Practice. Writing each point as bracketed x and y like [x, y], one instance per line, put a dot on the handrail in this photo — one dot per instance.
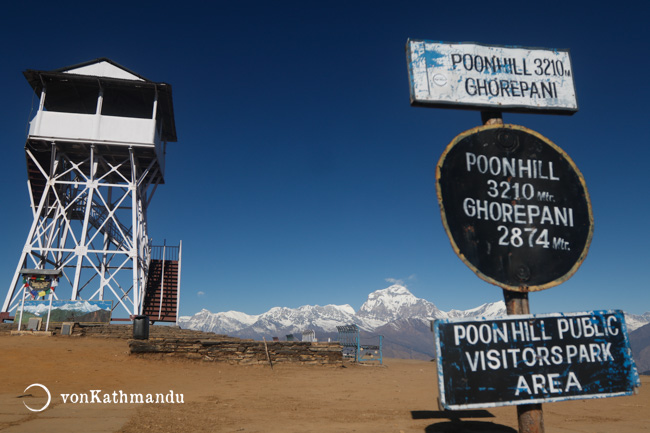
[165, 252]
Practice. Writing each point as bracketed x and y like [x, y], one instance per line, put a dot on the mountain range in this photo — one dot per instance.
[394, 312]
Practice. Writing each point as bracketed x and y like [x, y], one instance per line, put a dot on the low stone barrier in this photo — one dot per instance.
[235, 351]
[172, 341]
[123, 331]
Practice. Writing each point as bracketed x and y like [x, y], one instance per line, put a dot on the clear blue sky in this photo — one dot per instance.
[303, 176]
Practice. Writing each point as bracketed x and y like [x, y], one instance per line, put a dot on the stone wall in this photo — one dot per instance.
[172, 341]
[236, 351]
[123, 331]
[6, 328]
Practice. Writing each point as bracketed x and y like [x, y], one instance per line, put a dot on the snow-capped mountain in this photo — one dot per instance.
[276, 321]
[38, 309]
[492, 309]
[635, 321]
[382, 307]
[221, 323]
[81, 306]
[42, 307]
[395, 303]
[393, 311]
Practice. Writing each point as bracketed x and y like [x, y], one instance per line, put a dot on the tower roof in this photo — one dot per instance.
[107, 73]
[102, 67]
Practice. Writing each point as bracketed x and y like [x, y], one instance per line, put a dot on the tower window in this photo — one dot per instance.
[71, 97]
[128, 102]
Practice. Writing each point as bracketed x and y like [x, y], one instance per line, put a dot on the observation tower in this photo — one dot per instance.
[95, 157]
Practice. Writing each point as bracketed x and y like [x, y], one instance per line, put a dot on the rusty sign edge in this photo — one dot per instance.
[522, 288]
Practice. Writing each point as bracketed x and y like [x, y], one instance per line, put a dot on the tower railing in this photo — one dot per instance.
[93, 127]
[165, 252]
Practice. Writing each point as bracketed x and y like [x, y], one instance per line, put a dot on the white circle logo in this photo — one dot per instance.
[440, 80]
[49, 397]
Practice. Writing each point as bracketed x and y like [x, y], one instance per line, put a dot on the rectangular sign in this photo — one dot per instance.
[475, 76]
[525, 359]
[68, 311]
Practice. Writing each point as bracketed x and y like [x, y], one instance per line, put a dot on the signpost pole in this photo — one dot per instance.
[529, 416]
[491, 118]
[517, 212]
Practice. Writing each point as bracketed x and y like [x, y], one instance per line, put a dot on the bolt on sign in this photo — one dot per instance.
[527, 359]
[477, 76]
[515, 207]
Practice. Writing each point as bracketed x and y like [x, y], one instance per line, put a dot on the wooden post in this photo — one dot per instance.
[268, 356]
[529, 416]
[491, 117]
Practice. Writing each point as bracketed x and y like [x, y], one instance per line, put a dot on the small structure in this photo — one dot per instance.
[309, 336]
[38, 283]
[350, 339]
[372, 352]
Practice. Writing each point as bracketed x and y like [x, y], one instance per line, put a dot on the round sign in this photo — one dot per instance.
[515, 207]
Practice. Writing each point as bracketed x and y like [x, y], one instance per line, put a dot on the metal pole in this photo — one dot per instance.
[357, 334]
[22, 308]
[49, 312]
[178, 280]
[162, 280]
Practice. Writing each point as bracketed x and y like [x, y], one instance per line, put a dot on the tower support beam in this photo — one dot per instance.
[91, 224]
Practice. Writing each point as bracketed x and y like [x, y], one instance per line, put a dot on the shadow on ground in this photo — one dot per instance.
[457, 425]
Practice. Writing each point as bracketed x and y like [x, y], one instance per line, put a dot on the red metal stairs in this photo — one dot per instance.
[162, 284]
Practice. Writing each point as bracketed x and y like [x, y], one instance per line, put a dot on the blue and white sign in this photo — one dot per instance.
[79, 311]
[526, 359]
[468, 75]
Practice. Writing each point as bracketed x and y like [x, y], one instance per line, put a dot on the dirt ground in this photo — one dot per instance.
[397, 397]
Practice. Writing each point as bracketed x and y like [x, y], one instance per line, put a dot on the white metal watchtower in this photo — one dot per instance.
[95, 155]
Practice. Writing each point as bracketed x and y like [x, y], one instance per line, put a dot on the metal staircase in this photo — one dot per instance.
[161, 299]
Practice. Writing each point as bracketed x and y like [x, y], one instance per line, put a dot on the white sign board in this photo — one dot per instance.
[468, 75]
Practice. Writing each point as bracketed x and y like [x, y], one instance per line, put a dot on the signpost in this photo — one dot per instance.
[517, 212]
[533, 359]
[467, 75]
[515, 207]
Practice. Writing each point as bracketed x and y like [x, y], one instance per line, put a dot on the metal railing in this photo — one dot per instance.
[165, 252]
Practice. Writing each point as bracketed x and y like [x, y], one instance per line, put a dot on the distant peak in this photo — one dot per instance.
[395, 302]
[394, 290]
